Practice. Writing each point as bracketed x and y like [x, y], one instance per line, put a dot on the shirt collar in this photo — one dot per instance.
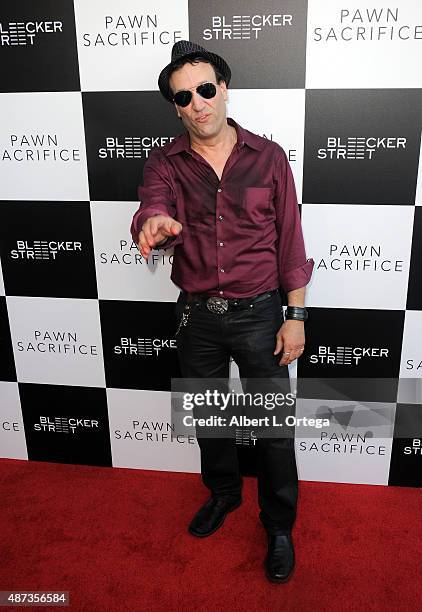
[244, 137]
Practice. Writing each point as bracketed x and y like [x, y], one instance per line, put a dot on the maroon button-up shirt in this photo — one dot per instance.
[242, 235]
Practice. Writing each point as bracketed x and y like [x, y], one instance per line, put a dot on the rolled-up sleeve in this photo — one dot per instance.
[156, 197]
[295, 270]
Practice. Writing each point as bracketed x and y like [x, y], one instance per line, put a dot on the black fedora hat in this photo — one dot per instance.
[186, 48]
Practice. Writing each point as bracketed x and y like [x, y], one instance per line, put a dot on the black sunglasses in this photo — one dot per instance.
[206, 90]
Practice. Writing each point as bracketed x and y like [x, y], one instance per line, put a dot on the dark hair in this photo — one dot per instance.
[191, 60]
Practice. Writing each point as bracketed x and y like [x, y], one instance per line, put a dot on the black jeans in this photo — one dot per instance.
[204, 348]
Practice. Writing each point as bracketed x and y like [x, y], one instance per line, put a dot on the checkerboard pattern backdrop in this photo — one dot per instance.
[87, 327]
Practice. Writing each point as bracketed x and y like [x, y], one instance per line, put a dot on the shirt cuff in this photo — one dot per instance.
[298, 277]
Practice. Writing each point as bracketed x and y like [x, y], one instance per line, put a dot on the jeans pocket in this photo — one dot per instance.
[272, 303]
[268, 311]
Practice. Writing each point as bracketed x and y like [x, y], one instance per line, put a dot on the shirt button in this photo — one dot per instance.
[221, 269]
[219, 190]
[221, 292]
[221, 243]
[221, 217]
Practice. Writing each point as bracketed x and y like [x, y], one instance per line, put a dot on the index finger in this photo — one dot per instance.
[143, 244]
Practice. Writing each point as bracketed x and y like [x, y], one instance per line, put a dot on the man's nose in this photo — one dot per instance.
[197, 101]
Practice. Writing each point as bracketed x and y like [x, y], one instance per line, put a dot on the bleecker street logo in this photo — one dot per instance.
[144, 347]
[131, 147]
[370, 24]
[346, 355]
[66, 425]
[415, 448]
[358, 147]
[43, 249]
[23, 33]
[245, 437]
[244, 27]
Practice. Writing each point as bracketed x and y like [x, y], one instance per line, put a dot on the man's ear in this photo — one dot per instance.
[175, 106]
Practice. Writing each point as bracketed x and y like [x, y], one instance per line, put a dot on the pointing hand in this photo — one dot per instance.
[156, 230]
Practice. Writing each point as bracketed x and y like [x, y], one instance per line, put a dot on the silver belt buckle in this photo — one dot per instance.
[217, 305]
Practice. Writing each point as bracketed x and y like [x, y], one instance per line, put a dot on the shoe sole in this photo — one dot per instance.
[205, 535]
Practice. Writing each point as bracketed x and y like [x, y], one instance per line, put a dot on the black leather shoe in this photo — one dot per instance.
[211, 516]
[280, 559]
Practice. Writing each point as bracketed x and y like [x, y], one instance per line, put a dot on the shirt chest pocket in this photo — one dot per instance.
[258, 204]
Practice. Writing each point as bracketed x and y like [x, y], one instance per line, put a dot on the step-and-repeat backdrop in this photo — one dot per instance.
[86, 325]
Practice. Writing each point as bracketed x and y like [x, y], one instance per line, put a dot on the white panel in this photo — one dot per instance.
[277, 114]
[122, 273]
[12, 432]
[123, 46]
[141, 433]
[363, 44]
[410, 383]
[356, 448]
[359, 260]
[57, 340]
[43, 147]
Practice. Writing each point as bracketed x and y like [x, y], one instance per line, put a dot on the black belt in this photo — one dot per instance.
[220, 305]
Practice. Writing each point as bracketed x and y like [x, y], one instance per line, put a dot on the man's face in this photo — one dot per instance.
[201, 117]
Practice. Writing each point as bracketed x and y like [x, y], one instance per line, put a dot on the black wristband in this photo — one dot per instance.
[296, 313]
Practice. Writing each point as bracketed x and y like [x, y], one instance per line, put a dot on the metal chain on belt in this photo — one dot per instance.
[184, 319]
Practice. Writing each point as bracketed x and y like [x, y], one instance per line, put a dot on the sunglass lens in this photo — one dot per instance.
[207, 90]
[182, 98]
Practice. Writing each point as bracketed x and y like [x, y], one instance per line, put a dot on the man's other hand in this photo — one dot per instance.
[156, 230]
[291, 338]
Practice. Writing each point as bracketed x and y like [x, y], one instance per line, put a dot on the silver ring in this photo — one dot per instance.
[288, 353]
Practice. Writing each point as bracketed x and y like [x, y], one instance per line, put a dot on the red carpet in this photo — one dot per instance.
[117, 540]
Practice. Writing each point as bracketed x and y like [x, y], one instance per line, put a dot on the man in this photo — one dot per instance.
[225, 199]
